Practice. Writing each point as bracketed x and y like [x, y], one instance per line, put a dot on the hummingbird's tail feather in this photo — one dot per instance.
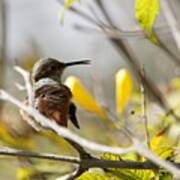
[72, 115]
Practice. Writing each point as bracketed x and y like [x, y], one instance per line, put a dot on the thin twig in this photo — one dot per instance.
[110, 33]
[27, 80]
[44, 156]
[172, 21]
[144, 108]
[163, 46]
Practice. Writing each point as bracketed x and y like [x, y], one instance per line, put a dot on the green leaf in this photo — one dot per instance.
[163, 146]
[165, 176]
[146, 12]
[110, 156]
[95, 176]
[127, 174]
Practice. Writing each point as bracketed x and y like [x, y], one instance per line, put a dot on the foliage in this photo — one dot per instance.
[160, 144]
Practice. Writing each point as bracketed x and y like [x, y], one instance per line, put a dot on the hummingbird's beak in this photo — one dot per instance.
[77, 63]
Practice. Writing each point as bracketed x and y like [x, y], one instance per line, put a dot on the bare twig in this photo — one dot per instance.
[172, 21]
[163, 46]
[27, 80]
[46, 156]
[111, 33]
[144, 109]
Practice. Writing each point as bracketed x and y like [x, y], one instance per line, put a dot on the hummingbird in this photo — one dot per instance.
[52, 98]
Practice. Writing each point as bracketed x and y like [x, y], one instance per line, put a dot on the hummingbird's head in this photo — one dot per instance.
[52, 68]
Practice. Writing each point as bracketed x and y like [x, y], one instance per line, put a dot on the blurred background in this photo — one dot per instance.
[31, 29]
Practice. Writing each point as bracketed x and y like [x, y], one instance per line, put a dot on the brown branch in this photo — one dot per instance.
[86, 163]
[44, 156]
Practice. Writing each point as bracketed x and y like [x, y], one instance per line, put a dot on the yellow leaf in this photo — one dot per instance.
[146, 12]
[123, 89]
[69, 3]
[83, 98]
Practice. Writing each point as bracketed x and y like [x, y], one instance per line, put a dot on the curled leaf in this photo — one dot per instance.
[83, 98]
[123, 89]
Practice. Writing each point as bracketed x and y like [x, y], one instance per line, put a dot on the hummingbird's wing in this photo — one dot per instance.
[72, 115]
[53, 102]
